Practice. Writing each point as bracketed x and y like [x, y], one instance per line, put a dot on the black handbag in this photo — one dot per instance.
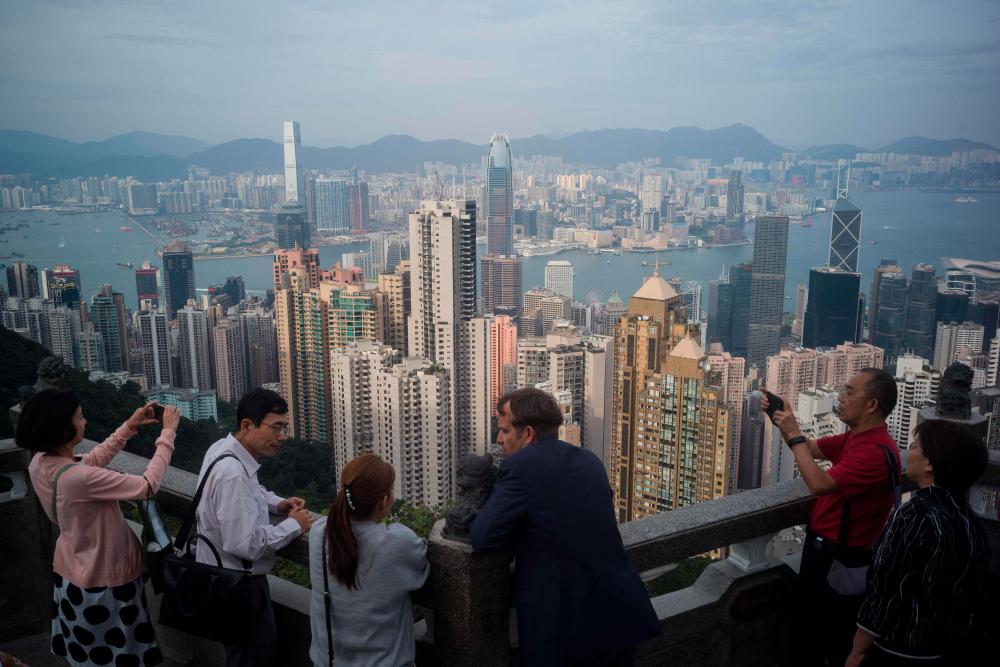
[209, 601]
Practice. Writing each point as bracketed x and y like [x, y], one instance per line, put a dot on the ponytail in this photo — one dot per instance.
[363, 483]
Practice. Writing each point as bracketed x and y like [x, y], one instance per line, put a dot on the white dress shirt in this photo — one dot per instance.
[234, 512]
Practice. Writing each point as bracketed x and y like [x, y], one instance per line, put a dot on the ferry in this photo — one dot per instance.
[124, 265]
[807, 222]
[124, 228]
[872, 242]
[966, 200]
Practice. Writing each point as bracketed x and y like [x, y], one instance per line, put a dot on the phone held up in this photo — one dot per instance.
[158, 412]
[774, 403]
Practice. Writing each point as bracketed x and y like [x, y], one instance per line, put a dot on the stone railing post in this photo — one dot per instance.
[750, 555]
[26, 555]
[471, 602]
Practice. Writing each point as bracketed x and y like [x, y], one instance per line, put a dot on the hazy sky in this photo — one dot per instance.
[800, 71]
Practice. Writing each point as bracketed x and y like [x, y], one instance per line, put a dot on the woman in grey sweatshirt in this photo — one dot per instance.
[370, 569]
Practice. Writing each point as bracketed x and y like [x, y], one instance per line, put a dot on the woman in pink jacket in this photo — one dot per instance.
[99, 611]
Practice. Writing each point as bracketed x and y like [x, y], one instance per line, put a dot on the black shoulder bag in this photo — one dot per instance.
[849, 566]
[209, 601]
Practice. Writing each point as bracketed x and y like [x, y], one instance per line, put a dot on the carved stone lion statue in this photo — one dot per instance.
[954, 401]
[475, 483]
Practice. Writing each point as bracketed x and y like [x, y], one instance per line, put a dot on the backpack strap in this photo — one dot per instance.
[55, 492]
[327, 602]
[189, 520]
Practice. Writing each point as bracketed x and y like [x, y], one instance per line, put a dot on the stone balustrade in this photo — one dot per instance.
[736, 613]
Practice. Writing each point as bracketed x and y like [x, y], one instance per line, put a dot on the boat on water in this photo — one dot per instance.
[124, 265]
[62, 244]
[807, 222]
[872, 242]
[124, 228]
[608, 261]
[966, 200]
[645, 263]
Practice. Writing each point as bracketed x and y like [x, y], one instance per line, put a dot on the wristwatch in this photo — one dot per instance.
[799, 439]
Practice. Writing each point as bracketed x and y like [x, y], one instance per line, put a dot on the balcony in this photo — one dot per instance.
[736, 613]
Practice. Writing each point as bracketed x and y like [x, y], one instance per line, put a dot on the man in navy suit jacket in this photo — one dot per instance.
[579, 599]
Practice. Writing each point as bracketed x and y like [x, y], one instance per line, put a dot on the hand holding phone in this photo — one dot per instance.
[158, 412]
[774, 403]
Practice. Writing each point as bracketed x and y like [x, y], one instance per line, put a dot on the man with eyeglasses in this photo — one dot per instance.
[853, 500]
[234, 512]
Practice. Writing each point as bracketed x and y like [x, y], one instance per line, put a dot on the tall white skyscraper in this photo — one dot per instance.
[155, 342]
[951, 337]
[295, 185]
[559, 277]
[916, 387]
[442, 308]
[193, 347]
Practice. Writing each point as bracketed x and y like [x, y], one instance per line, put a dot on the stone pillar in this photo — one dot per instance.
[471, 603]
[26, 555]
[751, 555]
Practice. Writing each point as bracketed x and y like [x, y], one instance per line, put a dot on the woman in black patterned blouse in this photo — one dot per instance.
[931, 559]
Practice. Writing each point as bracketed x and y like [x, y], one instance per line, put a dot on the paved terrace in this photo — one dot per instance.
[736, 613]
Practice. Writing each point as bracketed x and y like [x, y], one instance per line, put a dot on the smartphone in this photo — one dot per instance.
[774, 403]
[158, 412]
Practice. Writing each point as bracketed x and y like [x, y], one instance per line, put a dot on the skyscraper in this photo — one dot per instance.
[260, 343]
[393, 306]
[229, 360]
[886, 266]
[770, 249]
[107, 312]
[503, 357]
[728, 373]
[290, 227]
[154, 339]
[22, 280]
[920, 311]
[888, 323]
[145, 285]
[832, 314]
[559, 277]
[499, 201]
[501, 284]
[845, 233]
[951, 337]
[294, 176]
[178, 277]
[193, 348]
[443, 302]
[358, 206]
[333, 211]
[734, 196]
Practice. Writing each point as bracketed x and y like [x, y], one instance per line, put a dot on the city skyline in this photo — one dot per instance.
[168, 78]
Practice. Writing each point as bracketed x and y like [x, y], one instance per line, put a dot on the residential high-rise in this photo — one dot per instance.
[229, 359]
[559, 277]
[728, 373]
[354, 420]
[791, 371]
[22, 280]
[260, 344]
[90, 349]
[832, 314]
[178, 277]
[443, 303]
[544, 307]
[333, 211]
[920, 311]
[498, 209]
[155, 342]
[770, 249]
[361, 260]
[951, 337]
[503, 357]
[290, 227]
[501, 284]
[598, 355]
[107, 312]
[917, 387]
[358, 206]
[845, 233]
[611, 312]
[415, 433]
[393, 306]
[888, 325]
[734, 196]
[679, 455]
[193, 347]
[294, 175]
[350, 311]
[145, 284]
[64, 325]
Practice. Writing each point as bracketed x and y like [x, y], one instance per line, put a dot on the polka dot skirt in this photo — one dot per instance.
[103, 625]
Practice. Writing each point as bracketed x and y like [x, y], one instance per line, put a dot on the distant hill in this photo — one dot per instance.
[145, 144]
[832, 152]
[934, 147]
[151, 156]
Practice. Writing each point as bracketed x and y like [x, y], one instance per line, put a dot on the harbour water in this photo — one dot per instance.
[907, 226]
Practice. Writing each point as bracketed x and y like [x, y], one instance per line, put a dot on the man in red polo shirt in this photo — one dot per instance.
[854, 498]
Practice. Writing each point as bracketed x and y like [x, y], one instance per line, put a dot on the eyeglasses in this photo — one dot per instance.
[279, 429]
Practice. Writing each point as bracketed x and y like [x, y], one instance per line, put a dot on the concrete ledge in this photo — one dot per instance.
[675, 535]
